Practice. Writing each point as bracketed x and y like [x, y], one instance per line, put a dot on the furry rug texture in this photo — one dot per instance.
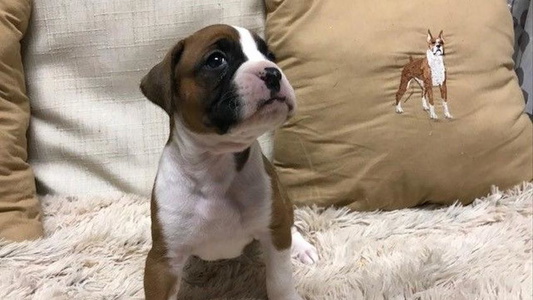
[95, 249]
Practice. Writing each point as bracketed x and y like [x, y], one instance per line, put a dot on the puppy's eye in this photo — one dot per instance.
[433, 42]
[216, 60]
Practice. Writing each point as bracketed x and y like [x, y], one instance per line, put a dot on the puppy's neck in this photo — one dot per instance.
[188, 166]
[201, 156]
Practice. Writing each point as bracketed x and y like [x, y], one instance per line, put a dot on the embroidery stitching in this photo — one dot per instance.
[427, 72]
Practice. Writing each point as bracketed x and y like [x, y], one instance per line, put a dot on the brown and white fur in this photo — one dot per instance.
[428, 72]
[215, 192]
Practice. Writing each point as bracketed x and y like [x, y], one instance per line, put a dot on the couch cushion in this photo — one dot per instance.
[19, 208]
[92, 131]
[348, 146]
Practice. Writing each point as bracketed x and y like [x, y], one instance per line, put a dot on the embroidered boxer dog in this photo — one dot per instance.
[214, 191]
[428, 72]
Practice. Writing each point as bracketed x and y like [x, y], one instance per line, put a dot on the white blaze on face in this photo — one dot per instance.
[249, 46]
[252, 89]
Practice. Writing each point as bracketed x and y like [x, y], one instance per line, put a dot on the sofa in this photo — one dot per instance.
[85, 156]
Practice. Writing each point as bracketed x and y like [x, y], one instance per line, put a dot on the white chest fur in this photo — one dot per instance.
[436, 64]
[213, 212]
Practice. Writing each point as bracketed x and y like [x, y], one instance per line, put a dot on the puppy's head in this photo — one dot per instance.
[221, 81]
[436, 45]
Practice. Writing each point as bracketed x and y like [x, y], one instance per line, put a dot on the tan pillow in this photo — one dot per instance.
[349, 146]
[19, 208]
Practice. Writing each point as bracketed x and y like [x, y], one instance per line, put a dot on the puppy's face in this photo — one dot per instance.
[436, 45]
[222, 81]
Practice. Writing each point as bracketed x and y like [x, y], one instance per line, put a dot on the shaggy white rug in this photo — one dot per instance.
[95, 249]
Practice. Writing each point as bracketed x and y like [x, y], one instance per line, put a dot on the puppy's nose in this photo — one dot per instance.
[272, 78]
[438, 45]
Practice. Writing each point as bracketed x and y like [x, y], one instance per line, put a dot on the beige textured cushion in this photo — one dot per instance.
[348, 146]
[19, 208]
[92, 131]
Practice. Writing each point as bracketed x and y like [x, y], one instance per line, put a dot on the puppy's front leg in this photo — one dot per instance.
[162, 276]
[279, 282]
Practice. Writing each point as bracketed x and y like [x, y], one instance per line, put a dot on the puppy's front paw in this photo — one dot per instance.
[307, 255]
[303, 250]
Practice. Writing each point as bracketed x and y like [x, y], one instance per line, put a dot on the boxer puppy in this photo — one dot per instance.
[215, 192]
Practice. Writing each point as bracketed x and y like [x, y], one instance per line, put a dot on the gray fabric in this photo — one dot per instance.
[523, 22]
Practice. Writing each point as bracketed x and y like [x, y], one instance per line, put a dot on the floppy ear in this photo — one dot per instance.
[440, 36]
[159, 84]
[430, 37]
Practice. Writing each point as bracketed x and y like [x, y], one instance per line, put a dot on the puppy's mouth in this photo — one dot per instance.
[272, 100]
[438, 51]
